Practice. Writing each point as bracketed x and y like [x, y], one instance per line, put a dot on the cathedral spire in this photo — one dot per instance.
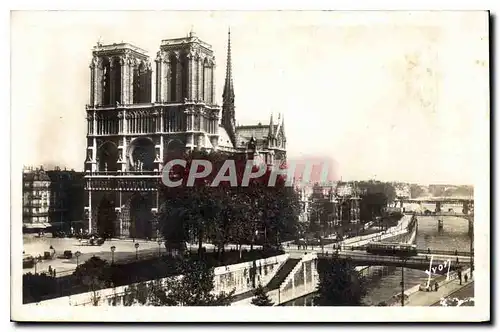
[228, 94]
[228, 114]
[271, 126]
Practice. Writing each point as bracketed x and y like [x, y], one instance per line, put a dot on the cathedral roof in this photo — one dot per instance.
[258, 132]
[224, 139]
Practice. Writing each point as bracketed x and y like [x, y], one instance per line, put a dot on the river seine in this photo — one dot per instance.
[453, 236]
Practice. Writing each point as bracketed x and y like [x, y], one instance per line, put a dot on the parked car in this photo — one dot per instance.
[60, 234]
[28, 261]
[96, 241]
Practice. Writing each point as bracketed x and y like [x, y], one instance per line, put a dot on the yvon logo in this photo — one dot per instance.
[441, 267]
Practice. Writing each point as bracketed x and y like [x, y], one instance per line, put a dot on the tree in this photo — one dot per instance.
[95, 273]
[375, 197]
[339, 283]
[416, 191]
[227, 212]
[260, 297]
[193, 288]
[37, 286]
[192, 210]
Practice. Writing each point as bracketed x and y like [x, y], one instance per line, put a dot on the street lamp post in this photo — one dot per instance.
[471, 250]
[159, 247]
[136, 251]
[113, 248]
[77, 254]
[37, 260]
[403, 283]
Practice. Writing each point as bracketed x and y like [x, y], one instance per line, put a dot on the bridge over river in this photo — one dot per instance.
[419, 262]
[467, 203]
[416, 262]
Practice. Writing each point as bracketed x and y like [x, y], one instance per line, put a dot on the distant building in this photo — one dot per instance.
[36, 199]
[329, 206]
[67, 199]
[52, 198]
[348, 203]
[304, 193]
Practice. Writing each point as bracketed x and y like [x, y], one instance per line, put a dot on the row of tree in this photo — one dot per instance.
[192, 287]
[229, 211]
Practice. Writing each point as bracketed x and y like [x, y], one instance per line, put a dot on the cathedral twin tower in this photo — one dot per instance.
[129, 136]
[122, 74]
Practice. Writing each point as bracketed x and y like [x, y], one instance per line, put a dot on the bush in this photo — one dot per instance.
[36, 287]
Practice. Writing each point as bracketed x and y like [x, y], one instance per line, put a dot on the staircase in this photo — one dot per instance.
[282, 273]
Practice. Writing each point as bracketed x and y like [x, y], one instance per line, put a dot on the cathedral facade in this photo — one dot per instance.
[129, 136]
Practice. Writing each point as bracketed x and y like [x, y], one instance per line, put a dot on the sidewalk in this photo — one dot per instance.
[425, 299]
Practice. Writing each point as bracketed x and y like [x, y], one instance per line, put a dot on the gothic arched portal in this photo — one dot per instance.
[175, 148]
[142, 154]
[141, 217]
[106, 218]
[108, 157]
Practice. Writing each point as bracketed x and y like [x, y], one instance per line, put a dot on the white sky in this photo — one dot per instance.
[391, 96]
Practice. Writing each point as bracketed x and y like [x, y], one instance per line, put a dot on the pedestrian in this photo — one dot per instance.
[436, 286]
[460, 276]
[50, 270]
[466, 277]
[54, 273]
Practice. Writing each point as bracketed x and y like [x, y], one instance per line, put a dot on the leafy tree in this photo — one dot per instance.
[129, 295]
[224, 213]
[191, 210]
[416, 191]
[193, 288]
[375, 197]
[95, 273]
[339, 283]
[260, 297]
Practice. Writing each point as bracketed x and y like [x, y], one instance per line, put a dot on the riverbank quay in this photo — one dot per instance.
[464, 297]
[417, 296]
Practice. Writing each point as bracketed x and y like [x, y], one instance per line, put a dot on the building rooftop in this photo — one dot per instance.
[118, 46]
[190, 39]
[37, 174]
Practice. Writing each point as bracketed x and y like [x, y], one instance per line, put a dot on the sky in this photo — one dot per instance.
[392, 96]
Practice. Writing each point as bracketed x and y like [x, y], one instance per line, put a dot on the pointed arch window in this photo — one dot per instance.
[106, 81]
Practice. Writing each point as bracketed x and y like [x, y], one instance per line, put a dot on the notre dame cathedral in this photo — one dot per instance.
[129, 135]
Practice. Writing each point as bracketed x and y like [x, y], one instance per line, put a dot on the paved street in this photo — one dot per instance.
[125, 250]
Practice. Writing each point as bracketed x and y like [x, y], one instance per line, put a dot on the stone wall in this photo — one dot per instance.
[302, 280]
[226, 278]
